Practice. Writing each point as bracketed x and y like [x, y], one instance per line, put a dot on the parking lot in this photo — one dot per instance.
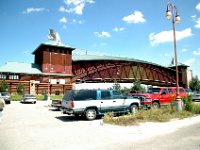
[37, 127]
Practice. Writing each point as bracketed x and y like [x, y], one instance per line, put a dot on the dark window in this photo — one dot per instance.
[181, 91]
[57, 92]
[164, 91]
[105, 95]
[79, 95]
[170, 91]
[85, 95]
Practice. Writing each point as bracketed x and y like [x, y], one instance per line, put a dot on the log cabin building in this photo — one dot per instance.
[50, 73]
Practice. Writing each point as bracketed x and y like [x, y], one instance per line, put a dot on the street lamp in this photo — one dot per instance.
[171, 8]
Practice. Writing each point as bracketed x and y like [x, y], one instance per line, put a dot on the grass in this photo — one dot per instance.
[18, 97]
[164, 114]
[158, 115]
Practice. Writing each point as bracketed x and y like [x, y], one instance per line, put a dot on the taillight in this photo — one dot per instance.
[72, 104]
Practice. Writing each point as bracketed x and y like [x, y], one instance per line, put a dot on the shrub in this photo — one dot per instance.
[188, 103]
[16, 97]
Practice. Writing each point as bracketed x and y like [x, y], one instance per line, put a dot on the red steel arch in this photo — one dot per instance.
[124, 70]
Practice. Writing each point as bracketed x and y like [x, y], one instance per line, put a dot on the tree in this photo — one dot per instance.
[195, 84]
[20, 89]
[137, 87]
[116, 86]
[3, 86]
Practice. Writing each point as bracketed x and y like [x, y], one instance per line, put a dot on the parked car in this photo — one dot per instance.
[2, 104]
[196, 96]
[90, 103]
[6, 97]
[56, 103]
[29, 98]
[157, 96]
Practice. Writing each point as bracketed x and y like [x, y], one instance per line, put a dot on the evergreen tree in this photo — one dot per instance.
[117, 86]
[3, 86]
[20, 89]
[195, 84]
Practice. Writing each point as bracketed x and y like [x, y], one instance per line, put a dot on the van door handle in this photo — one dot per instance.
[114, 101]
[101, 102]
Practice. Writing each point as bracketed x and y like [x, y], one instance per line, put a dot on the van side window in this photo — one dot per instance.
[117, 95]
[85, 95]
[164, 91]
[105, 95]
[181, 91]
[170, 91]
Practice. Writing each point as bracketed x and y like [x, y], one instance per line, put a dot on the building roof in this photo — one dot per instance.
[17, 67]
[77, 58]
[53, 44]
[25, 68]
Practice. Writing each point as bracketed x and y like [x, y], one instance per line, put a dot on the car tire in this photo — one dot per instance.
[90, 114]
[134, 108]
[155, 105]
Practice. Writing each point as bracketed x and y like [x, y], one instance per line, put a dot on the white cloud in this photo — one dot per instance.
[167, 36]
[77, 21]
[189, 62]
[136, 17]
[197, 52]
[102, 34]
[31, 10]
[63, 20]
[198, 7]
[75, 6]
[197, 21]
[116, 29]
[184, 50]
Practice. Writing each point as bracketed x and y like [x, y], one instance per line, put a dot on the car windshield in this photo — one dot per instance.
[5, 94]
[29, 95]
[154, 90]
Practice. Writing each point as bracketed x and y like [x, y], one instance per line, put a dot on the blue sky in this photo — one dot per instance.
[127, 28]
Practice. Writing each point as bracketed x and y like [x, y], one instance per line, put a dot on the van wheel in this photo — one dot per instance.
[133, 108]
[90, 114]
[155, 105]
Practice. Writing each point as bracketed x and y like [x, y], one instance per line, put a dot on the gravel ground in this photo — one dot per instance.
[37, 127]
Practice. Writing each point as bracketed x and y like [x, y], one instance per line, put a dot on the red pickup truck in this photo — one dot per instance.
[158, 96]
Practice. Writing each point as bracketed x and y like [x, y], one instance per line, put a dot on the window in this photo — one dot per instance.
[164, 91]
[170, 91]
[117, 95]
[13, 77]
[105, 95]
[85, 95]
[181, 91]
[2, 76]
[57, 92]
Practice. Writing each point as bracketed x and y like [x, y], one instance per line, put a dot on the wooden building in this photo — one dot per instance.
[51, 71]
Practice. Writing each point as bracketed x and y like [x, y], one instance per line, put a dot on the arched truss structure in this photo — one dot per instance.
[121, 70]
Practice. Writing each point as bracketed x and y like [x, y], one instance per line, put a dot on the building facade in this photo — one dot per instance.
[50, 73]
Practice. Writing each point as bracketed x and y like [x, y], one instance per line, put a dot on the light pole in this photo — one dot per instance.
[171, 8]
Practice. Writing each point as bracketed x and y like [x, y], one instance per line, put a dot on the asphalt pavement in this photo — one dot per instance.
[38, 127]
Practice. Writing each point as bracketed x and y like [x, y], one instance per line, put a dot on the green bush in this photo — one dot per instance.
[188, 103]
[16, 97]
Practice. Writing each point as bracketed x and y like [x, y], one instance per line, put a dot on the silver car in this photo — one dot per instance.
[196, 96]
[29, 98]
